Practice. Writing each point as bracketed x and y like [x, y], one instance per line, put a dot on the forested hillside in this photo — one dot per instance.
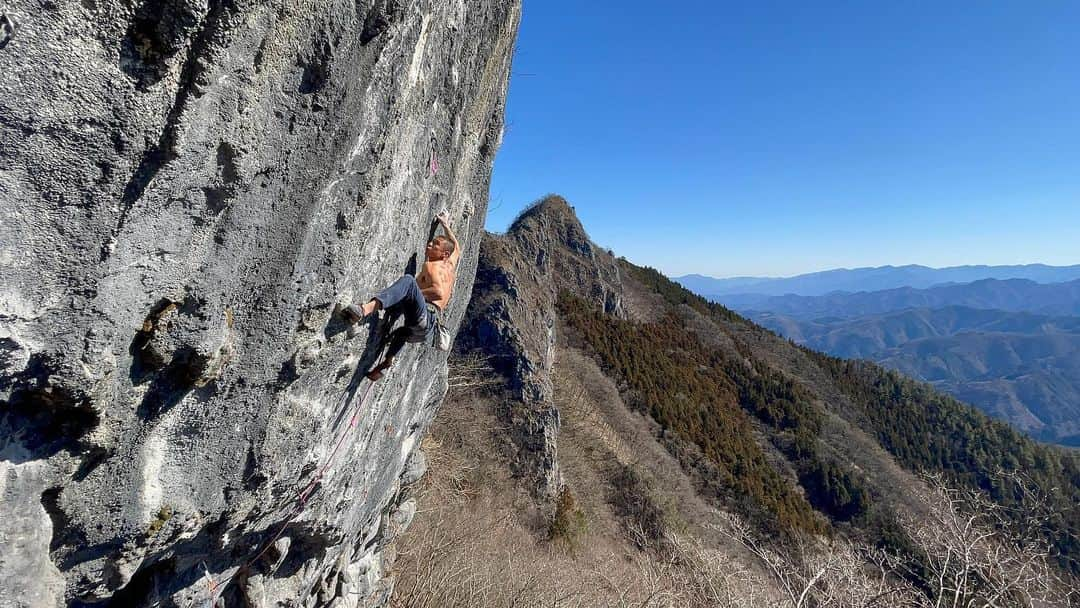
[926, 430]
[1019, 367]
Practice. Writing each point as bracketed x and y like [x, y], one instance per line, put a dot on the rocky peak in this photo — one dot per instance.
[512, 318]
[553, 222]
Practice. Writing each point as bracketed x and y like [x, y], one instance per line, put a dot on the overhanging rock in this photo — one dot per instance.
[188, 189]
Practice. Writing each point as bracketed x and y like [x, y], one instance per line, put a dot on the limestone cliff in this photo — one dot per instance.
[188, 189]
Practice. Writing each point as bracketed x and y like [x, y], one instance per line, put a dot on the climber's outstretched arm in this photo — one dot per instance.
[454, 257]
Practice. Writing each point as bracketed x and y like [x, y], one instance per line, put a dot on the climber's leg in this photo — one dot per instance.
[397, 341]
[404, 291]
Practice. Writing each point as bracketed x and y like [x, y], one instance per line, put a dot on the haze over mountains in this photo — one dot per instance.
[1010, 346]
[873, 279]
[1013, 295]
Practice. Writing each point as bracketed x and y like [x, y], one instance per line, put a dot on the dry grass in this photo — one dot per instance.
[481, 541]
[483, 556]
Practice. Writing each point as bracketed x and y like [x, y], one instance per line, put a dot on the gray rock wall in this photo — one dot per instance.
[188, 188]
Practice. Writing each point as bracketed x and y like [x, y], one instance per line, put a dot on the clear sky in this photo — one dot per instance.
[775, 138]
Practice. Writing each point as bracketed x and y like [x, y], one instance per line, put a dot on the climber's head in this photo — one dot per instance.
[440, 248]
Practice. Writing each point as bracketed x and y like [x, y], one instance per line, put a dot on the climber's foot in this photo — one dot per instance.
[377, 371]
[353, 313]
[356, 314]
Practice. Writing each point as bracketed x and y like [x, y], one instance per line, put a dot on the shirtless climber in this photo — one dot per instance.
[420, 299]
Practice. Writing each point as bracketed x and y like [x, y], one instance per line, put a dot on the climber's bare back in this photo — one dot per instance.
[436, 281]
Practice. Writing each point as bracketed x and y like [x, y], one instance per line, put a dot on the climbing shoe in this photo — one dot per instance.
[353, 313]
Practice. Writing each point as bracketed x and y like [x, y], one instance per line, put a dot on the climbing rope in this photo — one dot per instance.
[302, 496]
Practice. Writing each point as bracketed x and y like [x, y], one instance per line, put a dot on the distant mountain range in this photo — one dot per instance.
[864, 337]
[1003, 338]
[1022, 367]
[873, 279]
[1016, 295]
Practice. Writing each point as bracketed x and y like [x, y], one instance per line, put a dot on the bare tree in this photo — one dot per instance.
[970, 551]
[471, 373]
[708, 578]
[837, 574]
[980, 554]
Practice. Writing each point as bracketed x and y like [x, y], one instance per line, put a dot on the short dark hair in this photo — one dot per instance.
[444, 243]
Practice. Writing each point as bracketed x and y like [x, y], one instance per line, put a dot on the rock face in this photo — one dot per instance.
[512, 319]
[188, 189]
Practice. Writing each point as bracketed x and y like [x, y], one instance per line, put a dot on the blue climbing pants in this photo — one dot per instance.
[404, 297]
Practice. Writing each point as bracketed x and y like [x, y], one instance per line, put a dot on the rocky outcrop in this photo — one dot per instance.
[512, 319]
[188, 189]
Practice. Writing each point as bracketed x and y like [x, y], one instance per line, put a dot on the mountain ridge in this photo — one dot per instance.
[1013, 295]
[872, 278]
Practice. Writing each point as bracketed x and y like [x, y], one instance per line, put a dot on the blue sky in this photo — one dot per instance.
[775, 138]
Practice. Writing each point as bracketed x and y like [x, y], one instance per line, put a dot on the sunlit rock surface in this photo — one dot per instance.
[188, 189]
